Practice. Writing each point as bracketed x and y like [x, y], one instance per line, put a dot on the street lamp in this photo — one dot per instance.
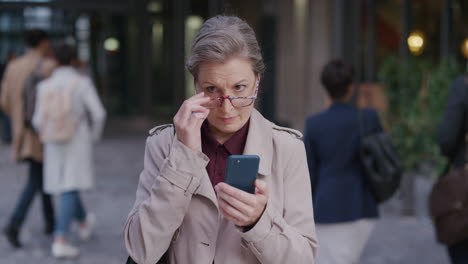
[464, 48]
[416, 42]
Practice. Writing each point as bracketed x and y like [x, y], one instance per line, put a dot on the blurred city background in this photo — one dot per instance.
[405, 52]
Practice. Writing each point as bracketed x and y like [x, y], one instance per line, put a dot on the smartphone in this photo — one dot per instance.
[241, 171]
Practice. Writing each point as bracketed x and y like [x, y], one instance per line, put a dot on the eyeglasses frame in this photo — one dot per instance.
[230, 98]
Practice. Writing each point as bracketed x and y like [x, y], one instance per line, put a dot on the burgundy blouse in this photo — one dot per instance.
[218, 153]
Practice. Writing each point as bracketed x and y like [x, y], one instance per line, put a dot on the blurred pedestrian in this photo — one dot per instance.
[25, 142]
[184, 207]
[345, 209]
[69, 117]
[5, 121]
[452, 139]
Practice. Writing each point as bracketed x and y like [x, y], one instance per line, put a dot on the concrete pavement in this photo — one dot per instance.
[118, 163]
[396, 240]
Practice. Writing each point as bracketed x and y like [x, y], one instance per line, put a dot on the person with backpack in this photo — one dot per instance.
[452, 138]
[69, 118]
[26, 146]
[345, 207]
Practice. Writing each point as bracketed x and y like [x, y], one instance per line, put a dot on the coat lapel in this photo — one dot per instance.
[260, 142]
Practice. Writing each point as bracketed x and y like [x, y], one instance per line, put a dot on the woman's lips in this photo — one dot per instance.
[227, 120]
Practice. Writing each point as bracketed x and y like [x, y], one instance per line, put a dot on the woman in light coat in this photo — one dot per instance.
[184, 211]
[68, 165]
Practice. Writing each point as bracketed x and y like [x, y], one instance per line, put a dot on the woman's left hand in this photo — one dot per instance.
[242, 208]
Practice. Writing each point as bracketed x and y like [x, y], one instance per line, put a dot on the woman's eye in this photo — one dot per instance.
[239, 87]
[210, 89]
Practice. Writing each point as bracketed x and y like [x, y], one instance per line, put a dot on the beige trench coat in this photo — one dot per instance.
[176, 207]
[25, 143]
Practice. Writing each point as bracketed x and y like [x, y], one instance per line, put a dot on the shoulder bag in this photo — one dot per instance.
[382, 164]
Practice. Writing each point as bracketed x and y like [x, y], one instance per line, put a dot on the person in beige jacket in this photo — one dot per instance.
[184, 211]
[26, 145]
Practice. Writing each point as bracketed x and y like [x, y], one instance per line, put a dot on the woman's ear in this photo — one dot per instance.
[257, 81]
[195, 86]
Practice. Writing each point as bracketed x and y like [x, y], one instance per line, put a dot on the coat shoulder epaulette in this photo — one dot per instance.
[290, 131]
[156, 130]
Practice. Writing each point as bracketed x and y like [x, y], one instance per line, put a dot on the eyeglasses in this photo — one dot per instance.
[236, 101]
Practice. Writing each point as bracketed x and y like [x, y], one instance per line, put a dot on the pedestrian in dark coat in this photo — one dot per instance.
[451, 139]
[345, 210]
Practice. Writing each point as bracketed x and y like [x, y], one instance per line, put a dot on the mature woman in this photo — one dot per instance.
[183, 207]
[345, 209]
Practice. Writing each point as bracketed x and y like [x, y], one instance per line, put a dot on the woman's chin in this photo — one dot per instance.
[227, 128]
[220, 127]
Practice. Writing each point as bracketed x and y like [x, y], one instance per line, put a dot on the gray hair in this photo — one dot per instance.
[221, 38]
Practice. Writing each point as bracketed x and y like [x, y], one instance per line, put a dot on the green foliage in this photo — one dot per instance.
[417, 93]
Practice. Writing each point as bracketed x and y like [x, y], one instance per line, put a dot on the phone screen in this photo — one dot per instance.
[241, 171]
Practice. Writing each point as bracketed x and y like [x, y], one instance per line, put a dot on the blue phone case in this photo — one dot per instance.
[241, 171]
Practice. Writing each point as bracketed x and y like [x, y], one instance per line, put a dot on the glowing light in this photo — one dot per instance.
[194, 22]
[111, 44]
[464, 48]
[416, 42]
[155, 7]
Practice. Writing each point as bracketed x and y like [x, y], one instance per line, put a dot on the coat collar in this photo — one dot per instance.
[341, 105]
[260, 141]
[61, 70]
[34, 53]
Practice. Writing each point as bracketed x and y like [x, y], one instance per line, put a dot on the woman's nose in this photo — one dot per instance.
[226, 105]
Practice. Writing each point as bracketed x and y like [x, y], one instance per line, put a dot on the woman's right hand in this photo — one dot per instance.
[189, 119]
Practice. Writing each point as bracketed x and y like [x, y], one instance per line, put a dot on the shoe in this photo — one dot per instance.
[85, 232]
[64, 250]
[12, 237]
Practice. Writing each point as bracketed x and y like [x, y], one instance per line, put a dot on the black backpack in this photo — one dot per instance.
[30, 93]
[382, 164]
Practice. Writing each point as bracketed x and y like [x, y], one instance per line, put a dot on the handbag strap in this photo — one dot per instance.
[361, 121]
[465, 136]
